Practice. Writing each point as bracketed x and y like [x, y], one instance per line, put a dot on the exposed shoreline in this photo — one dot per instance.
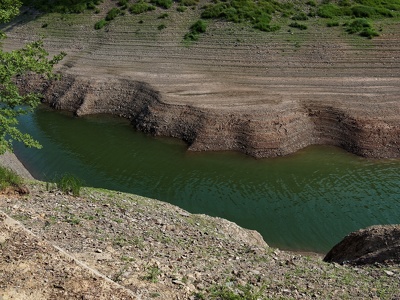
[261, 131]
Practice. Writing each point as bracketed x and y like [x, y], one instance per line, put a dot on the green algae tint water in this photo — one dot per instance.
[307, 201]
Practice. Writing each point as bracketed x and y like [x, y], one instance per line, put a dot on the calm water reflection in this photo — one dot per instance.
[306, 201]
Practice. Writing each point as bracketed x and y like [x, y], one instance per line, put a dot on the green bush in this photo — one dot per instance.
[112, 14]
[123, 2]
[311, 3]
[332, 24]
[190, 36]
[188, 2]
[300, 17]
[344, 3]
[199, 27]
[181, 8]
[361, 11]
[141, 7]
[163, 16]
[329, 11]
[91, 5]
[161, 26]
[266, 27]
[298, 25]
[100, 24]
[162, 3]
[69, 184]
[369, 33]
[358, 25]
[9, 178]
[258, 13]
[63, 6]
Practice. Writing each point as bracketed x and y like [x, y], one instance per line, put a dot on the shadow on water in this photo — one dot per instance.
[307, 201]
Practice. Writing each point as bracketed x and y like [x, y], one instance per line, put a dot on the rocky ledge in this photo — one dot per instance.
[262, 131]
[375, 244]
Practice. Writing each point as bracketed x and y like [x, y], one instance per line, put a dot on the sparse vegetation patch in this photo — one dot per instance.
[69, 184]
[63, 6]
[141, 7]
[198, 27]
[264, 15]
[9, 178]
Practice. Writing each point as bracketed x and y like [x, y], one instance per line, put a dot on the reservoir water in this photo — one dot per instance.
[306, 201]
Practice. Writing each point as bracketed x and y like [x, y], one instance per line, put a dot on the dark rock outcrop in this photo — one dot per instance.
[376, 244]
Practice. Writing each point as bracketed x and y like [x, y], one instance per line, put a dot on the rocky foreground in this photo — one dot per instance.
[150, 249]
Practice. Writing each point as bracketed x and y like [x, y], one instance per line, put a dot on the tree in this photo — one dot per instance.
[32, 58]
[9, 9]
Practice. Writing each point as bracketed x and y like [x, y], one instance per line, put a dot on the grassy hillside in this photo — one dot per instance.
[366, 18]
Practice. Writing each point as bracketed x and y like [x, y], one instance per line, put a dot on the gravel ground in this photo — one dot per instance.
[157, 250]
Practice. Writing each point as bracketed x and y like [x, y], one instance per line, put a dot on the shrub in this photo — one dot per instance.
[312, 3]
[258, 13]
[100, 24]
[9, 178]
[161, 26]
[267, 27]
[181, 8]
[163, 16]
[141, 7]
[298, 25]
[369, 33]
[332, 24]
[188, 2]
[344, 3]
[123, 2]
[162, 3]
[69, 184]
[199, 27]
[358, 25]
[329, 11]
[91, 5]
[113, 13]
[300, 17]
[361, 11]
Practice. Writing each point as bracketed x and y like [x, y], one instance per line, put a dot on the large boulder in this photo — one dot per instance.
[375, 244]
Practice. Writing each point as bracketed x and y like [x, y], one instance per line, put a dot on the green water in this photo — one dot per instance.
[306, 201]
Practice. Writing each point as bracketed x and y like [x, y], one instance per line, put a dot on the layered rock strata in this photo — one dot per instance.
[261, 131]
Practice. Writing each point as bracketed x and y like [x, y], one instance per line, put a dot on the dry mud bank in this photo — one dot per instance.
[265, 94]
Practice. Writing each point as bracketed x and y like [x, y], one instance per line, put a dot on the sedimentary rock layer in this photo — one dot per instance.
[278, 129]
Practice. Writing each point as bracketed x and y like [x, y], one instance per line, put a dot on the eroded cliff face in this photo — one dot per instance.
[264, 131]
